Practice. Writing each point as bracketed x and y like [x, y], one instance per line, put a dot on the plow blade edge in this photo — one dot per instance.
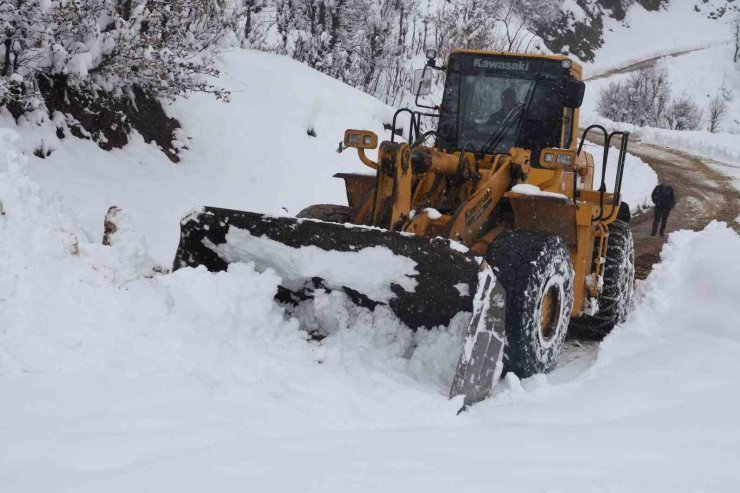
[425, 282]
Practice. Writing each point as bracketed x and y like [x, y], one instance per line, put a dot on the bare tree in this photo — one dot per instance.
[717, 112]
[718, 106]
[736, 36]
[516, 33]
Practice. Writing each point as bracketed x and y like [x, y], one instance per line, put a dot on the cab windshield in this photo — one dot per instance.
[491, 104]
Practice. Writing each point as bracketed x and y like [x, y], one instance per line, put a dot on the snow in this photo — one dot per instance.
[197, 381]
[525, 189]
[697, 52]
[638, 179]
[123, 376]
[433, 213]
[673, 28]
[462, 288]
[250, 154]
[721, 151]
[370, 270]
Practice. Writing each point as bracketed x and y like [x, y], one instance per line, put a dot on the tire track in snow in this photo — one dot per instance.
[646, 63]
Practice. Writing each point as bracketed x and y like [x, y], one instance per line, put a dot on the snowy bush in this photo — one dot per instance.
[644, 99]
[683, 114]
[641, 99]
[163, 48]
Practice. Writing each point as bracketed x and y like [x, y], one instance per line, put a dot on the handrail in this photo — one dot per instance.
[414, 123]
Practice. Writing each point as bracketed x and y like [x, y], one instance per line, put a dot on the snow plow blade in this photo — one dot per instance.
[425, 282]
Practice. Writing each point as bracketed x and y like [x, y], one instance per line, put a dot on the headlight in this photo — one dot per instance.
[361, 139]
[549, 157]
[431, 54]
[563, 159]
[567, 63]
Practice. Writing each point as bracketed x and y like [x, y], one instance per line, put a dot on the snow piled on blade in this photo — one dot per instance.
[370, 271]
[535, 190]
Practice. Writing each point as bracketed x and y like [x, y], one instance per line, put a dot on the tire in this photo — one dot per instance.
[328, 212]
[537, 274]
[619, 282]
[624, 213]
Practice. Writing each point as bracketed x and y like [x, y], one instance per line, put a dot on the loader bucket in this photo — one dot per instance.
[425, 282]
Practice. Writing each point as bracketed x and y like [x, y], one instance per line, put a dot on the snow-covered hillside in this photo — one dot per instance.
[253, 153]
[118, 377]
[696, 50]
[674, 28]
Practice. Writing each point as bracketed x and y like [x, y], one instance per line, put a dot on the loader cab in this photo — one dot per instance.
[493, 102]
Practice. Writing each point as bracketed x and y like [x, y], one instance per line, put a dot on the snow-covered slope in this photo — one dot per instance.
[692, 43]
[251, 154]
[674, 28]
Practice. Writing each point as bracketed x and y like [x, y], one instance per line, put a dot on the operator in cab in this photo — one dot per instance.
[508, 103]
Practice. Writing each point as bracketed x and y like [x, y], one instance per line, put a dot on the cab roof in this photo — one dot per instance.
[576, 69]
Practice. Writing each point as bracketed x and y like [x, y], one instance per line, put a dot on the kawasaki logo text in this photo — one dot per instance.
[483, 63]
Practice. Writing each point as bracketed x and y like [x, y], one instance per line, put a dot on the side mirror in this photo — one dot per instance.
[574, 91]
[422, 83]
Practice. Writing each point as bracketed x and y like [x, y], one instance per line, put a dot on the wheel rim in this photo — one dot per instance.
[551, 309]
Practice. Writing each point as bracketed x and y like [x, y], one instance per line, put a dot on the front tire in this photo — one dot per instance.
[537, 274]
[619, 282]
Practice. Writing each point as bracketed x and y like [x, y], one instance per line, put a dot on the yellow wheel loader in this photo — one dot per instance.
[493, 216]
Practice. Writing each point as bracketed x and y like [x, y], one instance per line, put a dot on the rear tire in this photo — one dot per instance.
[624, 213]
[619, 281]
[537, 274]
[328, 212]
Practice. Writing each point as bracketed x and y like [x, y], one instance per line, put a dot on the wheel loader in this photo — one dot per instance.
[494, 214]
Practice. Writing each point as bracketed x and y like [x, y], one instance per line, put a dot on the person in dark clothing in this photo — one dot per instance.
[664, 199]
[508, 102]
